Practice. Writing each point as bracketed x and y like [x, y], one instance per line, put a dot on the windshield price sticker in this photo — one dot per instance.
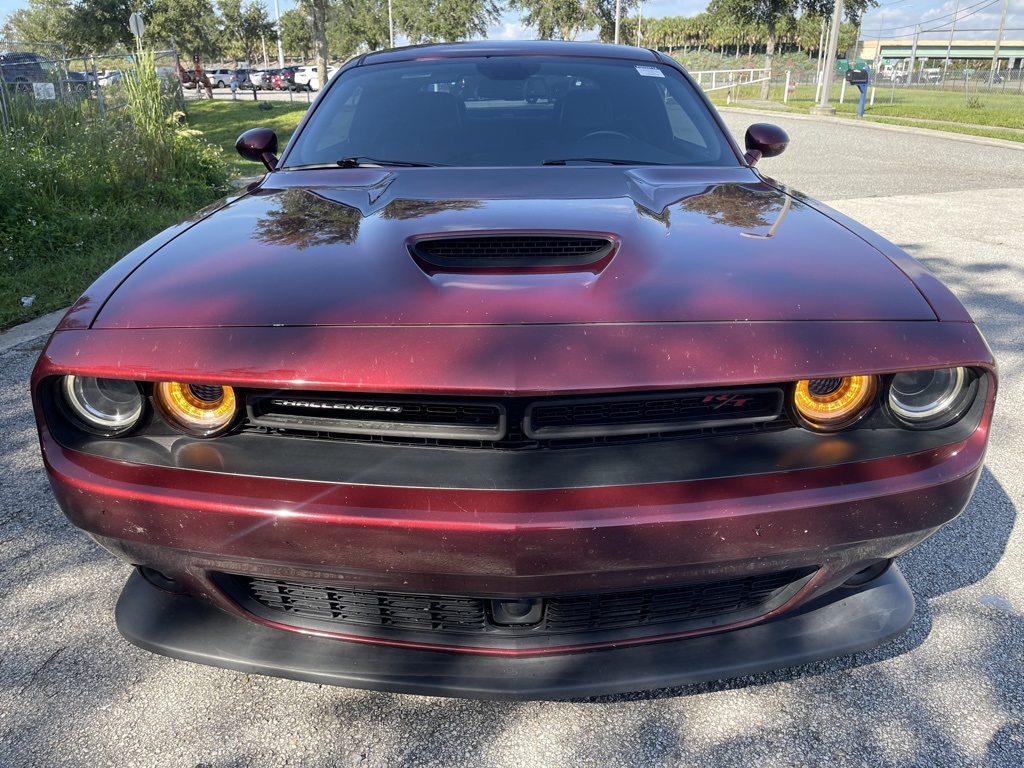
[650, 71]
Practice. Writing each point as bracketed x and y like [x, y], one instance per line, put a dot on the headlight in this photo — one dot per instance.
[826, 405]
[929, 398]
[107, 407]
[200, 410]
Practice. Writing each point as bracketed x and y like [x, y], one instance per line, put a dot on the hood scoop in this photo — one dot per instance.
[513, 253]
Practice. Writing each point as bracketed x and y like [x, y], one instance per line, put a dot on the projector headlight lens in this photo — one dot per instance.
[108, 407]
[929, 398]
[196, 409]
[826, 405]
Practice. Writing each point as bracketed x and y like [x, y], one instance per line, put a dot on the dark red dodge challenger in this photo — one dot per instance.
[514, 378]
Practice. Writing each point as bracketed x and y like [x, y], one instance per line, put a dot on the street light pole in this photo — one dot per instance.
[391, 26]
[280, 49]
[823, 107]
[618, 12]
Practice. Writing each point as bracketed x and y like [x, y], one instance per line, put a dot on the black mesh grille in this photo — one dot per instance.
[512, 250]
[384, 614]
[646, 412]
[399, 417]
[517, 423]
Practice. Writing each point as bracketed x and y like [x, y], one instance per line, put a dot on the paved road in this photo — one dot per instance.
[947, 693]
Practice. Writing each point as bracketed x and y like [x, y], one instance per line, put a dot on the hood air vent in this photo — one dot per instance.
[539, 251]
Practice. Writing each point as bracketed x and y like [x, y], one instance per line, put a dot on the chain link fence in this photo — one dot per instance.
[931, 91]
[34, 75]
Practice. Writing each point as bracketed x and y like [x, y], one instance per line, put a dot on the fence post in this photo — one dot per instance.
[842, 91]
[785, 98]
[99, 92]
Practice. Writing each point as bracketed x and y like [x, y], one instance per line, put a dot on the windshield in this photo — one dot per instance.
[511, 110]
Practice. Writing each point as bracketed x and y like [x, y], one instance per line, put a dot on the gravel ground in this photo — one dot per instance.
[946, 693]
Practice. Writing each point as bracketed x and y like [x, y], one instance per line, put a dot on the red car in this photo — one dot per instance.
[514, 399]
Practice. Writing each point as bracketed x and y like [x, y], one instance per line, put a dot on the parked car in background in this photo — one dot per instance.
[20, 69]
[284, 79]
[514, 397]
[219, 78]
[256, 79]
[109, 77]
[308, 78]
[267, 78]
[244, 78]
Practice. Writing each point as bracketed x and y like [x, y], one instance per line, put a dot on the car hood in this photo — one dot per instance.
[332, 247]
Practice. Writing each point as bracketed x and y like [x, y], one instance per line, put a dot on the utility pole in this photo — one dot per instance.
[952, 31]
[999, 40]
[913, 54]
[618, 12]
[391, 26]
[823, 107]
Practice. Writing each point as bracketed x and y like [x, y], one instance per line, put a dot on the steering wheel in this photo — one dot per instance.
[620, 134]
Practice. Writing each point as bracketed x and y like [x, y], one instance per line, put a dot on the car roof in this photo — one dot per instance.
[510, 48]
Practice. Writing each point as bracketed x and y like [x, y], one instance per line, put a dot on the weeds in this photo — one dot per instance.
[79, 192]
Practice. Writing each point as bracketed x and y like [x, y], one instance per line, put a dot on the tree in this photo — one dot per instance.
[765, 14]
[296, 34]
[245, 27]
[563, 19]
[604, 17]
[318, 16]
[444, 20]
[43, 21]
[192, 23]
[102, 25]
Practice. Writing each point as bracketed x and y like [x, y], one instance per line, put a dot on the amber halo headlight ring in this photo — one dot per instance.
[199, 410]
[931, 398]
[101, 406]
[831, 404]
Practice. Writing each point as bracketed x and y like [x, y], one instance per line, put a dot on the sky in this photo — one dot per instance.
[894, 19]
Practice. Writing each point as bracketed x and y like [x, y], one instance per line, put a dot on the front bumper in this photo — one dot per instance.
[496, 527]
[843, 622]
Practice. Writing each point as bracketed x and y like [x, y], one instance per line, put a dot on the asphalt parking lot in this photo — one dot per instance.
[947, 693]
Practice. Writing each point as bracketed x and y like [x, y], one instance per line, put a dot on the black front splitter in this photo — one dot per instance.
[844, 621]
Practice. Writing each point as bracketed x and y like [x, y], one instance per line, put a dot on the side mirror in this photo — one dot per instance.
[764, 140]
[260, 146]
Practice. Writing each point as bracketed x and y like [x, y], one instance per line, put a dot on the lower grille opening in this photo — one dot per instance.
[466, 620]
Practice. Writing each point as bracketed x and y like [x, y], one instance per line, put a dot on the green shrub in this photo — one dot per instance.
[79, 192]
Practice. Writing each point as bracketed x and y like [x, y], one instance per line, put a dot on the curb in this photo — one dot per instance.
[869, 123]
[41, 326]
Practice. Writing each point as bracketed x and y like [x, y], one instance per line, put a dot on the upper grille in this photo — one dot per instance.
[644, 414]
[380, 415]
[516, 423]
[467, 620]
[520, 251]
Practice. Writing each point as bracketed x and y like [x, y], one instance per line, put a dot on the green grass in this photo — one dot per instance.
[221, 122]
[81, 195]
[80, 192]
[980, 113]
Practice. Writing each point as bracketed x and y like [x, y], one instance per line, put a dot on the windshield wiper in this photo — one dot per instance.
[606, 160]
[370, 162]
